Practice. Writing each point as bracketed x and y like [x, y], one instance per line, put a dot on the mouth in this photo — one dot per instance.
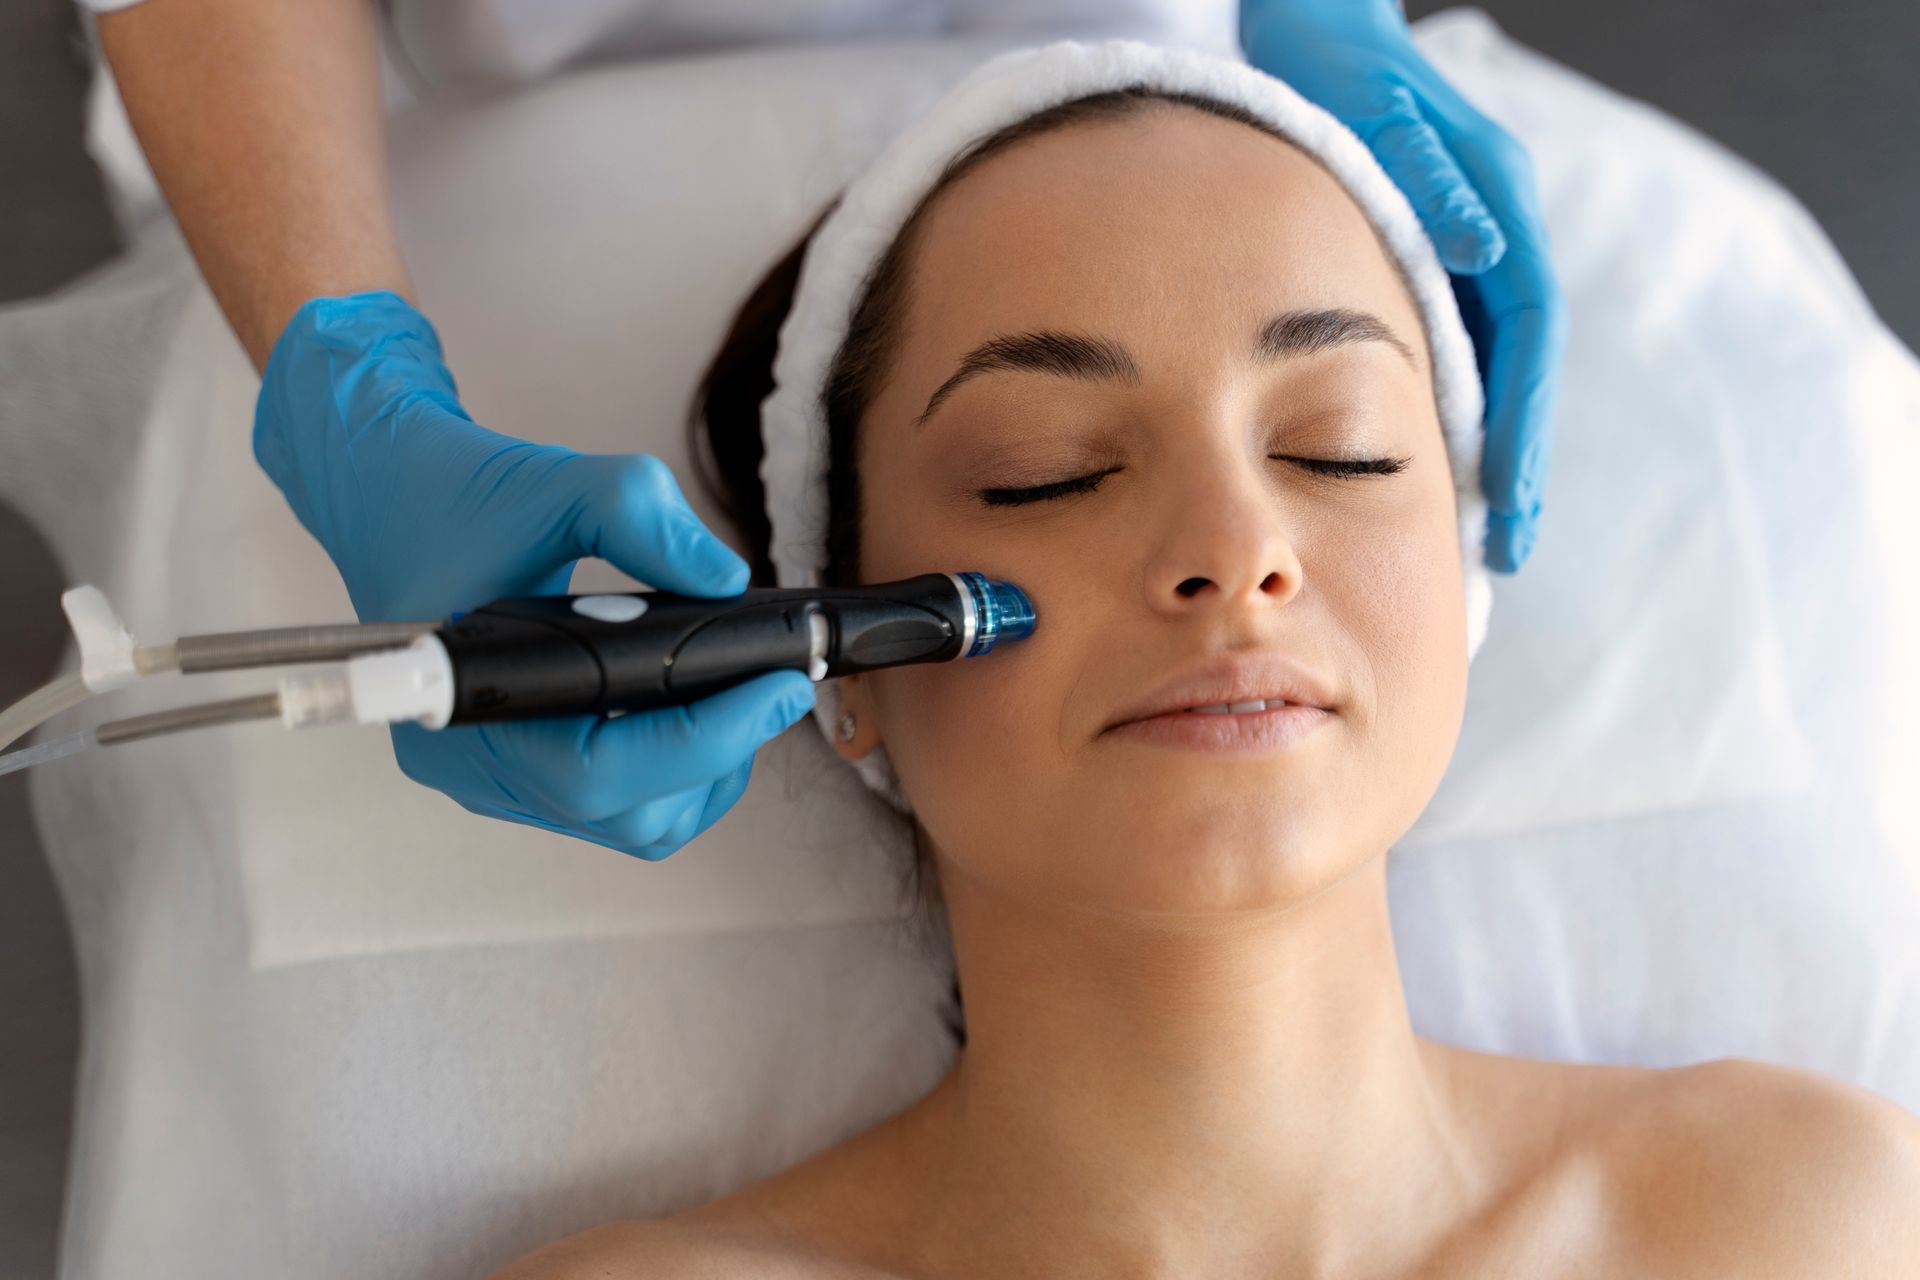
[1238, 707]
[1257, 727]
[1237, 699]
[1235, 708]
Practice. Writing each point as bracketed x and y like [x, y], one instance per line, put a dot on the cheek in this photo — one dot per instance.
[979, 743]
[1404, 602]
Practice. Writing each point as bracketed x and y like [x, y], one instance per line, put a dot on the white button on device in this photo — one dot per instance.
[610, 608]
[819, 637]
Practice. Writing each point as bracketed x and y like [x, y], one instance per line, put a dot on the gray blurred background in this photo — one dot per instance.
[1823, 96]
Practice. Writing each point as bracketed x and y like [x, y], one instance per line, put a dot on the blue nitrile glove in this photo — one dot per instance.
[426, 513]
[1472, 186]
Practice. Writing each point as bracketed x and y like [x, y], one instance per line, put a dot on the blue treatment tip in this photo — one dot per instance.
[1003, 610]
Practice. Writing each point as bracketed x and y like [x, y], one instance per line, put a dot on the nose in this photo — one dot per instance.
[1224, 539]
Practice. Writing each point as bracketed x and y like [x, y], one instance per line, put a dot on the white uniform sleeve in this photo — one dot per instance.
[107, 6]
[1209, 25]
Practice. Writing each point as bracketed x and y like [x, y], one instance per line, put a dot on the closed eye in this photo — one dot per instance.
[1343, 468]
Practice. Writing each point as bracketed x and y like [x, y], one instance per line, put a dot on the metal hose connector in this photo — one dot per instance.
[233, 650]
[258, 706]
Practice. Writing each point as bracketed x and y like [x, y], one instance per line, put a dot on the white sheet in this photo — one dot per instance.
[337, 1026]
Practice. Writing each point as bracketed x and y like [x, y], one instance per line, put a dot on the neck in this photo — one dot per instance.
[1217, 1098]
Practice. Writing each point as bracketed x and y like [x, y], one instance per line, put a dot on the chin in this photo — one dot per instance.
[1212, 849]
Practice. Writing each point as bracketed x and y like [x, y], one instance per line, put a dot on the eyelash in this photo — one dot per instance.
[1341, 468]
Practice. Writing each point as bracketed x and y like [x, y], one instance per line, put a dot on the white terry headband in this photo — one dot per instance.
[1006, 89]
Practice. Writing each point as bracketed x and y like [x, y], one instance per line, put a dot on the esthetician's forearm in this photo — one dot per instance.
[262, 122]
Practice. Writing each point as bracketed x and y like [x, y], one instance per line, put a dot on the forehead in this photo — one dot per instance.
[1171, 228]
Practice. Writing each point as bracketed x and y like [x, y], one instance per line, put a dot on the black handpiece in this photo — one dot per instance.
[530, 657]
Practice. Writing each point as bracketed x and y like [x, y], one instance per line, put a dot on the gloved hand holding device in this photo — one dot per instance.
[424, 513]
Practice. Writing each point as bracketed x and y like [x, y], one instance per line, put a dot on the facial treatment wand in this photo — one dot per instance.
[533, 657]
[528, 657]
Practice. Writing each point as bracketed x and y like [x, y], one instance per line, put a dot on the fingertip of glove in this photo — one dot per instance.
[1522, 545]
[722, 567]
[713, 567]
[1510, 541]
[1473, 243]
[797, 701]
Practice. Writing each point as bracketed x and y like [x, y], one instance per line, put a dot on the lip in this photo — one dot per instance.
[1263, 674]
[1232, 733]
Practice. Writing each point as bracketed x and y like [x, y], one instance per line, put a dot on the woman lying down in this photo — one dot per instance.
[1148, 335]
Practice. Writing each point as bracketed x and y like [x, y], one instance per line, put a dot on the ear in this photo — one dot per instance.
[856, 700]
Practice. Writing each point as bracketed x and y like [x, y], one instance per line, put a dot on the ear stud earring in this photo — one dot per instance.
[846, 728]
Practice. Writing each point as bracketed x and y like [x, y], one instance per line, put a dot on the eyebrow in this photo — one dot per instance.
[1065, 355]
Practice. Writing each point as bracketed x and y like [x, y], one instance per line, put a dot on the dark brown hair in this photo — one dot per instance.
[724, 426]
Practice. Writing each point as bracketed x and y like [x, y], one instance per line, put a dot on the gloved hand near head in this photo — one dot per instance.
[1472, 186]
[424, 512]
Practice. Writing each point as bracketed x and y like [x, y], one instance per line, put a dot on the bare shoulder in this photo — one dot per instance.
[1736, 1167]
[813, 1221]
[818, 1220]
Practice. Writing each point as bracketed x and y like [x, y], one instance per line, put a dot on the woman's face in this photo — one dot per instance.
[1178, 236]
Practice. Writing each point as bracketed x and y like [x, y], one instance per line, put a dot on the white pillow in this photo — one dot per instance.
[337, 1025]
